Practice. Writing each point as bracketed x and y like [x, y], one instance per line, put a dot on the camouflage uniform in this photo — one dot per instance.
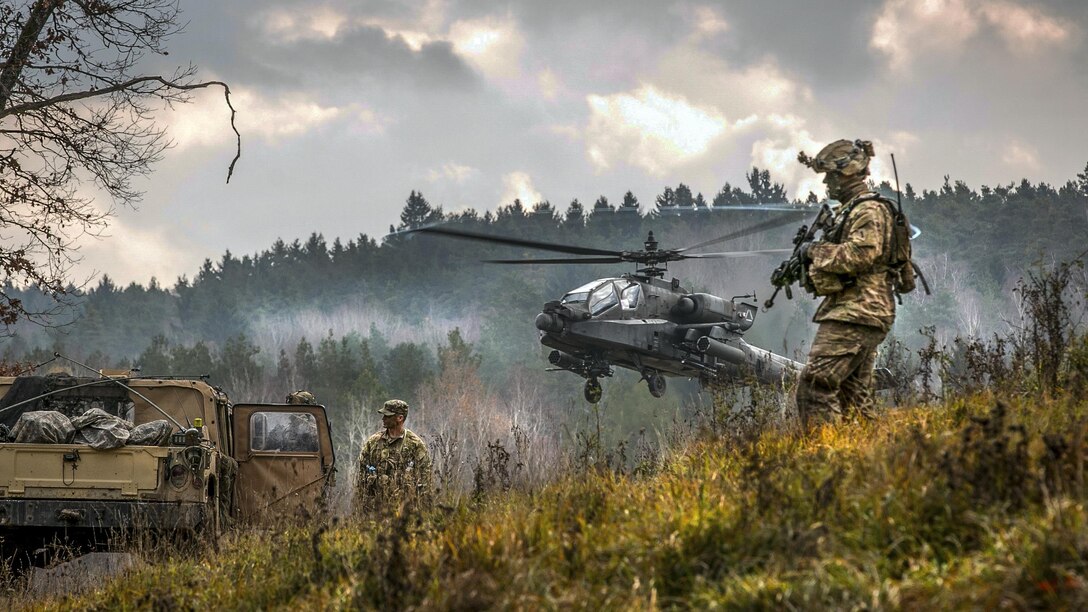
[859, 306]
[394, 473]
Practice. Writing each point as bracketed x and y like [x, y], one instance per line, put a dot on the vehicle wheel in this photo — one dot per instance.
[593, 391]
[656, 382]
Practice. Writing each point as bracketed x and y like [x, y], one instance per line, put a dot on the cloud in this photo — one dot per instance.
[206, 120]
[777, 153]
[649, 129]
[1025, 29]
[415, 28]
[906, 29]
[708, 22]
[519, 185]
[295, 23]
[1020, 157]
[132, 254]
[549, 84]
[451, 171]
[493, 45]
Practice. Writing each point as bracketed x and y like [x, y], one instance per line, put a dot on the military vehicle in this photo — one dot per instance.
[216, 463]
[644, 323]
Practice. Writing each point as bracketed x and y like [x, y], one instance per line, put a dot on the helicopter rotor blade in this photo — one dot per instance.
[770, 207]
[758, 227]
[559, 260]
[532, 244]
[736, 254]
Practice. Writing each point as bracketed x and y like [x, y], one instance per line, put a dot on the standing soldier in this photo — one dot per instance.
[394, 466]
[850, 269]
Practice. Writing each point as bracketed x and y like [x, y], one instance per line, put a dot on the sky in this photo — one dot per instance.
[346, 106]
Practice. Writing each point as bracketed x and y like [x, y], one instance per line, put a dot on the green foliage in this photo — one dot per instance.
[237, 362]
[406, 367]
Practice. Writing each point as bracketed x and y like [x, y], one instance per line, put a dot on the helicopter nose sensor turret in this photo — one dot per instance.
[549, 322]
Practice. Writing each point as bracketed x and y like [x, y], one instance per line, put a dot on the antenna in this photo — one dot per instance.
[898, 197]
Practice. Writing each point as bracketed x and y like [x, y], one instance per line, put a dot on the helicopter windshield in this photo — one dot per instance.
[630, 295]
[582, 293]
[602, 298]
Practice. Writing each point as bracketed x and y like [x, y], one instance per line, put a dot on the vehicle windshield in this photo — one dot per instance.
[582, 293]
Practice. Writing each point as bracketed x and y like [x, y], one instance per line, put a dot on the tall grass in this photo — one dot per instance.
[976, 503]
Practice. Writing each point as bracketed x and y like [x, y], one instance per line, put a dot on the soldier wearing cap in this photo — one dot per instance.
[848, 268]
[394, 466]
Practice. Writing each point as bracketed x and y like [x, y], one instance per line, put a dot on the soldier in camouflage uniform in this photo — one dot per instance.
[394, 467]
[849, 269]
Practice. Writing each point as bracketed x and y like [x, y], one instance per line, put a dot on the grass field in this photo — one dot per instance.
[977, 503]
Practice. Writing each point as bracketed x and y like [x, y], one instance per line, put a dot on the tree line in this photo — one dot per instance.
[994, 232]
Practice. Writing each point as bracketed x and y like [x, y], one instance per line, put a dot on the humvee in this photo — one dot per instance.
[221, 463]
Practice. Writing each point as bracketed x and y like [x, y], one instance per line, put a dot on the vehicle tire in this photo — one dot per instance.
[593, 391]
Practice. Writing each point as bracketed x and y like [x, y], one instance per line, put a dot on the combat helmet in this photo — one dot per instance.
[301, 398]
[848, 158]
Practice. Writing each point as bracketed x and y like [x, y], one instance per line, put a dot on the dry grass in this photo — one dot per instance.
[971, 504]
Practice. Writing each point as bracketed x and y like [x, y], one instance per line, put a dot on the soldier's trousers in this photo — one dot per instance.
[837, 381]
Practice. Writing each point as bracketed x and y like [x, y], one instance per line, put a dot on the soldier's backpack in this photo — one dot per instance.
[905, 272]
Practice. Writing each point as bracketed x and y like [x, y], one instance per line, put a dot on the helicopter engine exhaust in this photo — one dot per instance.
[549, 322]
[706, 308]
[721, 350]
[564, 361]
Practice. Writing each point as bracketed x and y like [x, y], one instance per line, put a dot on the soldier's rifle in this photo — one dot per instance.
[792, 270]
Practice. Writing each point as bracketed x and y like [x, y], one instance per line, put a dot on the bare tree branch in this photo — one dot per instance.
[75, 110]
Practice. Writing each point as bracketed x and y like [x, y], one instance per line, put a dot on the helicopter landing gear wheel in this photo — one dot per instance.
[593, 391]
[656, 382]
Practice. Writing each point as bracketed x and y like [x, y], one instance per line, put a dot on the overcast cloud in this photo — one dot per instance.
[347, 106]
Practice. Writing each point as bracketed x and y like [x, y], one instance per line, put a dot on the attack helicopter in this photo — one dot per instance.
[642, 322]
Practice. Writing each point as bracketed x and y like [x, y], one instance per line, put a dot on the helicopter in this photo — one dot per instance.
[642, 322]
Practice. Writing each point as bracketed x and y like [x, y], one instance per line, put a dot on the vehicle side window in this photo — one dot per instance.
[630, 296]
[283, 432]
[603, 298]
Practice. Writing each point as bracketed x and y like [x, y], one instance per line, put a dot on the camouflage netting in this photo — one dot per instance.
[63, 411]
[103, 394]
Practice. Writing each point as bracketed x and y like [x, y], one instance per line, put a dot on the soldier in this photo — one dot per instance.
[394, 466]
[849, 268]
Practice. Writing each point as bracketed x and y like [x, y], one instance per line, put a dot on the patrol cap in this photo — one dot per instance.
[394, 406]
[301, 397]
[846, 157]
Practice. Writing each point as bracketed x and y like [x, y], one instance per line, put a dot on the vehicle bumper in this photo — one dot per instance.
[102, 514]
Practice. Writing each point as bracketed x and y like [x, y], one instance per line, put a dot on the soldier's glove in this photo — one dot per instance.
[803, 251]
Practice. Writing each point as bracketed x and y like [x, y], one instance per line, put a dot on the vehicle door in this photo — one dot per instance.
[285, 459]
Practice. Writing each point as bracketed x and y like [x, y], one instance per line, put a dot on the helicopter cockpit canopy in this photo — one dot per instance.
[604, 293]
